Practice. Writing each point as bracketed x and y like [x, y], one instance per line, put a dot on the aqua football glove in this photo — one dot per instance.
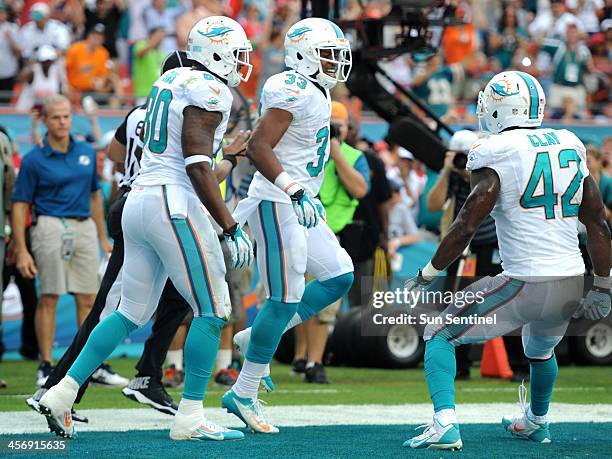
[240, 247]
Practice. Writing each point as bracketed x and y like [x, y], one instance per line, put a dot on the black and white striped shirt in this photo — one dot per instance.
[128, 134]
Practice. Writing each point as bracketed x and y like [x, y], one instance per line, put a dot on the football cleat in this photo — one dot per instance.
[206, 430]
[34, 403]
[437, 436]
[249, 411]
[316, 374]
[56, 406]
[105, 376]
[521, 426]
[241, 341]
[145, 390]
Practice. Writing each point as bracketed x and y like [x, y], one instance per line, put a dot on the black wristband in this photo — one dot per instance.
[232, 159]
[231, 231]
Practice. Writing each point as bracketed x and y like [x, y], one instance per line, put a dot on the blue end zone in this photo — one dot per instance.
[480, 441]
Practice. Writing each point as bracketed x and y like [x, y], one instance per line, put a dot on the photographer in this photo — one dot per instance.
[450, 193]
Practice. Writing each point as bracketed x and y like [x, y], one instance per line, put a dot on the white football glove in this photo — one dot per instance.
[595, 305]
[416, 284]
[240, 247]
[320, 208]
[304, 208]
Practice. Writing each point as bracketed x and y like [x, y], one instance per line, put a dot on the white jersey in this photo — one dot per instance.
[162, 160]
[536, 215]
[304, 148]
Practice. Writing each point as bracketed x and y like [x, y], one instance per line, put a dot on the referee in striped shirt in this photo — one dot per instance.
[453, 187]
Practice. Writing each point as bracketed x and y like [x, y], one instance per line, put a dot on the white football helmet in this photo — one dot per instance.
[511, 99]
[220, 44]
[314, 42]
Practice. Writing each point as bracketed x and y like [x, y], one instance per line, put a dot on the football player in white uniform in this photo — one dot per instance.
[289, 148]
[166, 228]
[535, 184]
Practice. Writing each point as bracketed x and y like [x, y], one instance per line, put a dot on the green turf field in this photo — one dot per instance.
[350, 386]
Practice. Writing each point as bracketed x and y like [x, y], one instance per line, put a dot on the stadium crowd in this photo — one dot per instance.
[108, 53]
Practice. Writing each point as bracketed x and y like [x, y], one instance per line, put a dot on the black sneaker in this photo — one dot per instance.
[146, 390]
[316, 374]
[463, 375]
[43, 372]
[298, 366]
[78, 417]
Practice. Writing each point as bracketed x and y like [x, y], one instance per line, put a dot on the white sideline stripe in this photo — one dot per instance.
[109, 420]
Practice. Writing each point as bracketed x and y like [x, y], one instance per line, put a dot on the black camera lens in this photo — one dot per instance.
[460, 160]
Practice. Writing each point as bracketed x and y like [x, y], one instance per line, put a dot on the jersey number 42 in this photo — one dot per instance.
[542, 172]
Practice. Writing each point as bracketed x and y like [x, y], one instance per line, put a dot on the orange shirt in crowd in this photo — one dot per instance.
[458, 42]
[82, 66]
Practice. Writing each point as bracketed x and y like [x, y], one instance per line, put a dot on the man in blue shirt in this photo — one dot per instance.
[59, 180]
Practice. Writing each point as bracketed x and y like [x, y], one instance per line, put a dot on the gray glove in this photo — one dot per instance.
[595, 305]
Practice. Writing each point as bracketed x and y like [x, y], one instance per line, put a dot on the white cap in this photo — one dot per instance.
[105, 140]
[405, 154]
[606, 24]
[46, 53]
[571, 4]
[39, 11]
[462, 140]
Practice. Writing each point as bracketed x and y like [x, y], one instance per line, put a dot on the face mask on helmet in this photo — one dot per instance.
[334, 65]
[220, 44]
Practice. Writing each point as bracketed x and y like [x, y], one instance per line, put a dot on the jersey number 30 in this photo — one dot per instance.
[157, 139]
[542, 172]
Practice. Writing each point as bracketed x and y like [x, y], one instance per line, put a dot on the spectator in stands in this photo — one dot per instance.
[433, 81]
[43, 31]
[552, 22]
[59, 180]
[10, 52]
[199, 10]
[107, 13]
[588, 13]
[505, 40]
[160, 16]
[570, 60]
[450, 193]
[148, 59]
[403, 230]
[88, 65]
[459, 40]
[41, 79]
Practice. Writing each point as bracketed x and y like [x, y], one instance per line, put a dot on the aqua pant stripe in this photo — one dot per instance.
[534, 99]
[275, 259]
[194, 263]
[492, 300]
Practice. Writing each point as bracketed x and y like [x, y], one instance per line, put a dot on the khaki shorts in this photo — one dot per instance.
[57, 276]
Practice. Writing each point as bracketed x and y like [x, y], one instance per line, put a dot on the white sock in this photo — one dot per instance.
[66, 391]
[190, 413]
[446, 417]
[175, 358]
[534, 418]
[224, 359]
[248, 380]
